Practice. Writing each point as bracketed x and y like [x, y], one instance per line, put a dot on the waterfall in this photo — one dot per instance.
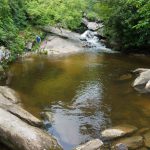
[90, 40]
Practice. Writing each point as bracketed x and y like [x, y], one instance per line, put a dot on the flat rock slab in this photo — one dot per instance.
[91, 145]
[134, 142]
[118, 131]
[9, 100]
[55, 45]
[19, 135]
[25, 116]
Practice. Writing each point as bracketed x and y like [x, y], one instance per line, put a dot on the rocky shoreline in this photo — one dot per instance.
[18, 128]
[123, 137]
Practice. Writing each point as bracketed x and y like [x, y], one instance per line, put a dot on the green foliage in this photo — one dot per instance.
[66, 13]
[127, 22]
[11, 18]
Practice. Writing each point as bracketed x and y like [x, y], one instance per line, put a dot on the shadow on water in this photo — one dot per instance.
[84, 93]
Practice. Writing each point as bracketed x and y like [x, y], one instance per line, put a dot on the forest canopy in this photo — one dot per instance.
[127, 22]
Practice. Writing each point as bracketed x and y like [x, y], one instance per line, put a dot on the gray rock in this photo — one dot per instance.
[62, 32]
[142, 82]
[17, 134]
[4, 53]
[8, 96]
[120, 146]
[94, 26]
[91, 145]
[9, 100]
[47, 116]
[139, 70]
[118, 131]
[134, 142]
[25, 116]
[147, 139]
[29, 46]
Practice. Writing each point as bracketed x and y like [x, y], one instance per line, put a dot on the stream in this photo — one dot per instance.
[84, 93]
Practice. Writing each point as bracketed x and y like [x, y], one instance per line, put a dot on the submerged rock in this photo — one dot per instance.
[147, 139]
[120, 146]
[125, 77]
[134, 142]
[118, 131]
[91, 145]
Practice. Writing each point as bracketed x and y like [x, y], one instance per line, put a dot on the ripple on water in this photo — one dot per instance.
[82, 119]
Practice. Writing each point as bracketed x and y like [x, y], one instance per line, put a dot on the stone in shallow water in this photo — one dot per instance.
[120, 146]
[134, 142]
[125, 77]
[91, 145]
[147, 139]
[118, 131]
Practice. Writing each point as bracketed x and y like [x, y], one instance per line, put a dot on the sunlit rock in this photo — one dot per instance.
[142, 82]
[91, 145]
[118, 131]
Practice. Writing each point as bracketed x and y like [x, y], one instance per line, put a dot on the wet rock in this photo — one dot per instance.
[134, 142]
[140, 70]
[120, 146]
[142, 131]
[91, 145]
[118, 131]
[94, 26]
[47, 116]
[125, 77]
[142, 82]
[147, 139]
[17, 134]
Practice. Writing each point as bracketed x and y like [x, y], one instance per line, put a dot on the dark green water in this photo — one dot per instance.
[83, 92]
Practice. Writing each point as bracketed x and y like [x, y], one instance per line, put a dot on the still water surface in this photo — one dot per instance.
[85, 93]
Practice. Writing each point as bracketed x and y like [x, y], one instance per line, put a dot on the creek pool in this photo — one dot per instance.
[84, 93]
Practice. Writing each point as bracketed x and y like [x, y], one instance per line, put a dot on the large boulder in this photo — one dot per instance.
[17, 134]
[91, 145]
[65, 46]
[142, 82]
[18, 128]
[62, 32]
[118, 131]
[94, 26]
